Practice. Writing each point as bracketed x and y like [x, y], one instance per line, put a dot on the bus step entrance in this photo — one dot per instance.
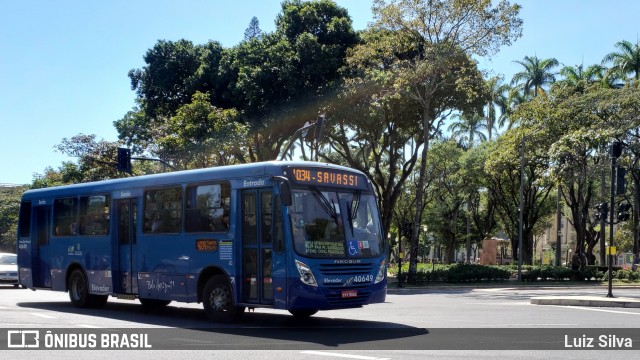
[125, 296]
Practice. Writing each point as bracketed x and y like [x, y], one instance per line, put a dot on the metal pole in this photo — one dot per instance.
[603, 220]
[611, 211]
[521, 210]
[558, 225]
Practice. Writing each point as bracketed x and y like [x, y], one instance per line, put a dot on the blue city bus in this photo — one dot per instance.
[297, 236]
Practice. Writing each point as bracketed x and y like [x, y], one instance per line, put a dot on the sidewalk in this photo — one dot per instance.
[591, 301]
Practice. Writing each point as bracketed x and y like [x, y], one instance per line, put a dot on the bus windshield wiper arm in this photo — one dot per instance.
[355, 204]
[324, 203]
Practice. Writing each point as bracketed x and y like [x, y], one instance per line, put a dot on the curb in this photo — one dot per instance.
[592, 301]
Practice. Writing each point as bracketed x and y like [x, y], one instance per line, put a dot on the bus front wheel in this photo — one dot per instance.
[79, 292]
[217, 300]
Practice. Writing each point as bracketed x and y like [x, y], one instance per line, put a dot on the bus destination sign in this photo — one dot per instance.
[327, 177]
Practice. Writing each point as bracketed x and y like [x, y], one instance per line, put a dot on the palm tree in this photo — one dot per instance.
[497, 99]
[536, 75]
[578, 78]
[468, 128]
[514, 99]
[627, 61]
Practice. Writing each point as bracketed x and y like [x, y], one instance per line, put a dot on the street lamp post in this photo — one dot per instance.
[520, 215]
[425, 228]
[558, 226]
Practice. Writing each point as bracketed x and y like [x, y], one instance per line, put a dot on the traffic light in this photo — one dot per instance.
[124, 160]
[623, 212]
[406, 229]
[319, 125]
[616, 149]
[602, 211]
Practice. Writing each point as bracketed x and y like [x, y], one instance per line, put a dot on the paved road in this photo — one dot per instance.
[412, 324]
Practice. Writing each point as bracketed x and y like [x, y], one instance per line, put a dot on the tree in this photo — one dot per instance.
[503, 168]
[9, 209]
[275, 82]
[96, 159]
[253, 30]
[468, 128]
[201, 135]
[449, 193]
[497, 98]
[537, 74]
[627, 60]
[430, 44]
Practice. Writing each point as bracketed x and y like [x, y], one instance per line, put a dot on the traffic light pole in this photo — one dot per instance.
[616, 149]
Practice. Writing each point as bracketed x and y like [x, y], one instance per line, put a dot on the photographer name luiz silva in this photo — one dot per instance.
[601, 342]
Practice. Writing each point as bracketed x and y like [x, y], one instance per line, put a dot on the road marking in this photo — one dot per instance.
[524, 325]
[88, 326]
[598, 309]
[348, 356]
[43, 316]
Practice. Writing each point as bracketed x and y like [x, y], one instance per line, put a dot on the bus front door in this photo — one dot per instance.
[257, 246]
[126, 216]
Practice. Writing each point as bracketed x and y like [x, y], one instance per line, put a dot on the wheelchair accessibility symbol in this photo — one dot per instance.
[353, 248]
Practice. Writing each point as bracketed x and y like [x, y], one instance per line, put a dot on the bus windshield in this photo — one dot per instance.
[335, 224]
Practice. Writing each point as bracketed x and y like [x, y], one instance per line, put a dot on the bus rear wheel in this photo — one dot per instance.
[303, 313]
[217, 300]
[79, 292]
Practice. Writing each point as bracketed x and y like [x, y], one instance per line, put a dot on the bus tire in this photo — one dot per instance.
[79, 292]
[303, 313]
[154, 303]
[78, 289]
[217, 300]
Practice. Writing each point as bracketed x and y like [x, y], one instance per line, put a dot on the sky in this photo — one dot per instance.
[64, 64]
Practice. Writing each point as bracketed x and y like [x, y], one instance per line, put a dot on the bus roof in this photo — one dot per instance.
[268, 168]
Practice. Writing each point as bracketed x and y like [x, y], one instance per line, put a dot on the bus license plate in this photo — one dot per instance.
[349, 293]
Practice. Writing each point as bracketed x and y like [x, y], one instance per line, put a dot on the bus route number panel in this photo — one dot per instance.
[328, 177]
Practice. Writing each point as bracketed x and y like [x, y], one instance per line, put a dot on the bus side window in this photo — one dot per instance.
[207, 208]
[24, 226]
[163, 210]
[65, 216]
[94, 215]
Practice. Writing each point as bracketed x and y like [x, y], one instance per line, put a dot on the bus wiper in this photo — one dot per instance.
[351, 217]
[352, 210]
[355, 204]
[324, 203]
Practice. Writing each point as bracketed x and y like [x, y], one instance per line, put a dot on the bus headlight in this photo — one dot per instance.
[381, 272]
[306, 276]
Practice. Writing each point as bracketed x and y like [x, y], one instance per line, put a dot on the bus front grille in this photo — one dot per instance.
[345, 269]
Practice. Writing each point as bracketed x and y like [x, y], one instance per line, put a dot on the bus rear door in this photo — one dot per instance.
[126, 220]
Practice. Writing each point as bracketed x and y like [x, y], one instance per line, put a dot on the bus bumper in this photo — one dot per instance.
[302, 296]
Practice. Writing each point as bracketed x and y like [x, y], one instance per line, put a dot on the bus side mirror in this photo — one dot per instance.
[285, 190]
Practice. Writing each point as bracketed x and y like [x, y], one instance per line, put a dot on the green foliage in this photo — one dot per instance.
[202, 135]
[458, 273]
[9, 208]
[627, 275]
[561, 273]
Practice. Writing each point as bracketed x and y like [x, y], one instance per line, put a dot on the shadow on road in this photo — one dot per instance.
[188, 326]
